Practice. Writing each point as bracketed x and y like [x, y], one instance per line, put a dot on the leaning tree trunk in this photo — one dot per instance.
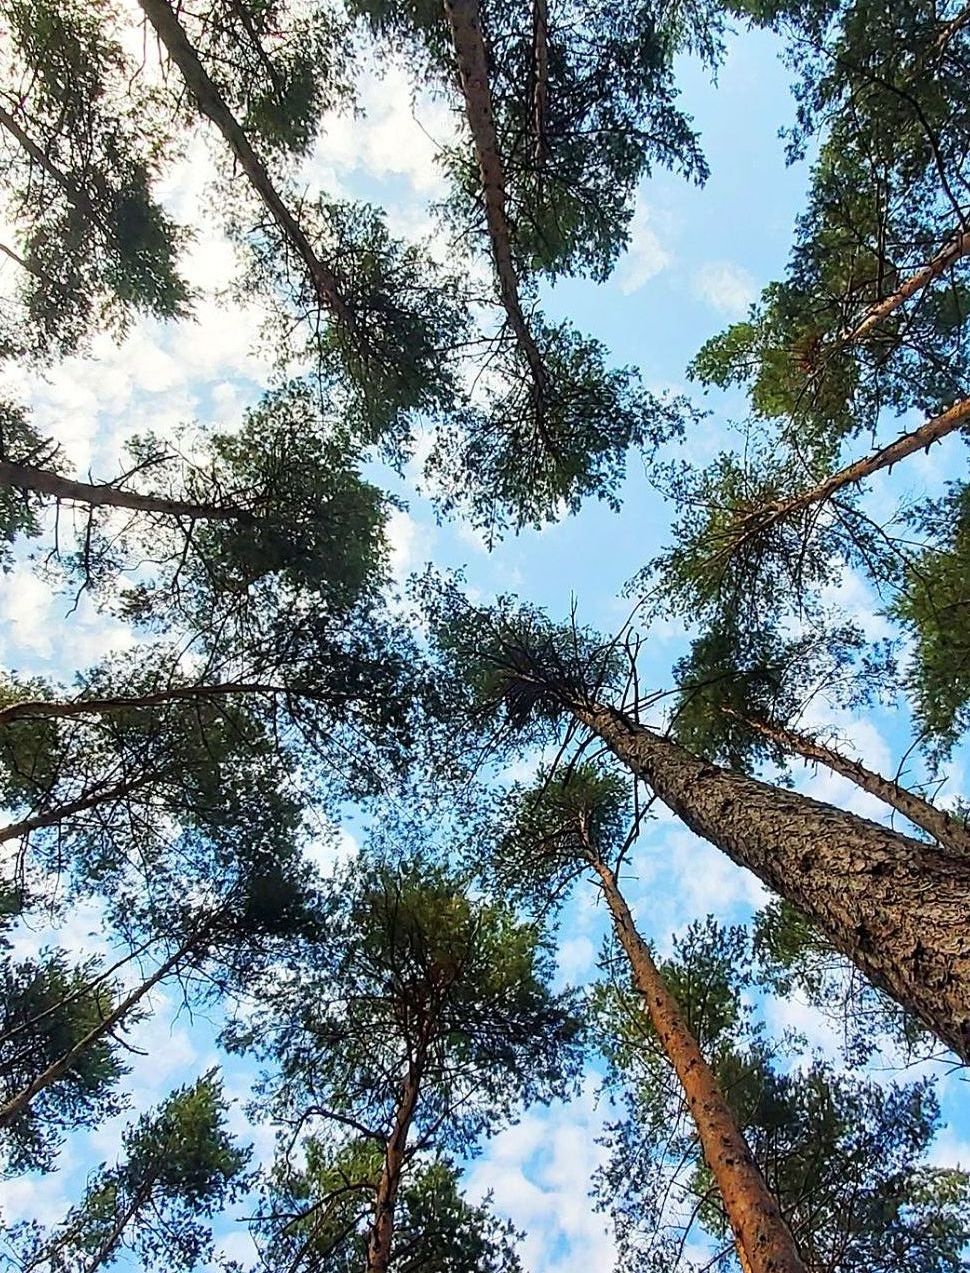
[464, 17]
[764, 1241]
[16, 1104]
[921, 439]
[949, 831]
[26, 477]
[897, 907]
[211, 104]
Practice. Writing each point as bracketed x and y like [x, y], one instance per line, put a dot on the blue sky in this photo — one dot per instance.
[696, 260]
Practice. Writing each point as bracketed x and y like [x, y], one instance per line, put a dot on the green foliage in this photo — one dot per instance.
[893, 133]
[846, 1157]
[316, 1216]
[395, 360]
[933, 606]
[80, 163]
[47, 1005]
[19, 510]
[278, 67]
[733, 675]
[180, 1168]
[610, 118]
[529, 455]
[415, 978]
[553, 827]
[508, 665]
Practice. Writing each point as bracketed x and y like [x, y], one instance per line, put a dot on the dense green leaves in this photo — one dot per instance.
[80, 162]
[180, 1167]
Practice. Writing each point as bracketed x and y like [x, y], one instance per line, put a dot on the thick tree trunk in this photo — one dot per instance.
[91, 800]
[464, 18]
[15, 1106]
[382, 1229]
[25, 477]
[949, 831]
[764, 1242]
[898, 908]
[32, 709]
[210, 102]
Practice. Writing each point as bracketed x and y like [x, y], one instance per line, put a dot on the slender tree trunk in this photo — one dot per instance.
[949, 831]
[211, 103]
[464, 18]
[920, 439]
[50, 818]
[956, 247]
[382, 1229]
[764, 1241]
[25, 477]
[107, 1247]
[32, 709]
[897, 907]
[12, 1108]
[77, 196]
[540, 72]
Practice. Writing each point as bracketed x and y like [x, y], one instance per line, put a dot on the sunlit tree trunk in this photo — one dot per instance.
[764, 1242]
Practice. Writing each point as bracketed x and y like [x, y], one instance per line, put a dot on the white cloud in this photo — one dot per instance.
[410, 544]
[645, 256]
[539, 1173]
[726, 287]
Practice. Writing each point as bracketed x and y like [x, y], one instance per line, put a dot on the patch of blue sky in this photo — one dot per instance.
[697, 258]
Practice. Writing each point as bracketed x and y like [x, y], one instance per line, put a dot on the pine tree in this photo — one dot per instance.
[422, 1020]
[846, 1156]
[571, 824]
[889, 903]
[180, 1167]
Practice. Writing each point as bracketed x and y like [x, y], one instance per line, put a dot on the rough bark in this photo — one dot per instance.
[764, 1241]
[211, 104]
[464, 18]
[32, 709]
[91, 800]
[920, 439]
[956, 247]
[15, 1106]
[949, 831]
[382, 1229]
[26, 477]
[895, 906]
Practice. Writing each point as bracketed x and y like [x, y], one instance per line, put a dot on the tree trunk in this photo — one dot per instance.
[540, 86]
[764, 1242]
[76, 196]
[956, 247]
[32, 709]
[25, 477]
[949, 831]
[464, 18]
[211, 104]
[101, 795]
[920, 439]
[896, 907]
[382, 1229]
[15, 1106]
